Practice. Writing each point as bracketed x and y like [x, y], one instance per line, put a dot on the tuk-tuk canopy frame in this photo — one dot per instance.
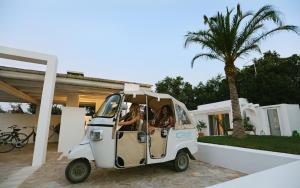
[161, 99]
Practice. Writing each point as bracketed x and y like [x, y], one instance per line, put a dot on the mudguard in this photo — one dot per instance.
[81, 151]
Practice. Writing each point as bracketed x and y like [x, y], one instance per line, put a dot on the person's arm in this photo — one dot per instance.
[125, 116]
[137, 118]
[171, 122]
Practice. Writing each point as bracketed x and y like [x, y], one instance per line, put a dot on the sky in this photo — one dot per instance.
[130, 40]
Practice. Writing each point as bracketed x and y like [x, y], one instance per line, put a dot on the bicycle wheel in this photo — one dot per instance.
[6, 144]
[20, 140]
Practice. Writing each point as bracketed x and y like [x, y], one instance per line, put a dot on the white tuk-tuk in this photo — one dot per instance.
[110, 148]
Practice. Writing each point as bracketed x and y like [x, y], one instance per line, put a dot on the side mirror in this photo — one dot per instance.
[124, 106]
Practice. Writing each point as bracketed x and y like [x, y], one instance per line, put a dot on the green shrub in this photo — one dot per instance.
[295, 134]
[247, 125]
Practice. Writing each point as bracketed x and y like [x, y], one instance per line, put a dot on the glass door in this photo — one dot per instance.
[274, 122]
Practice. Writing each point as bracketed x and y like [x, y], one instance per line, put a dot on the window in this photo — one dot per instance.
[182, 116]
[110, 106]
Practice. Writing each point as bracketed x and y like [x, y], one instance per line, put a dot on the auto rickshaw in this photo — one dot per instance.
[108, 147]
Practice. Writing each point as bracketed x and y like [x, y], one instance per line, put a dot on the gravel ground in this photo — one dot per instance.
[51, 174]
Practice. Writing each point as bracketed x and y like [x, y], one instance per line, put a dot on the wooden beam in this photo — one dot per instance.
[17, 93]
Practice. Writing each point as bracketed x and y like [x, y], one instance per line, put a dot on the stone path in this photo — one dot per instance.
[51, 174]
[198, 175]
[15, 166]
[17, 178]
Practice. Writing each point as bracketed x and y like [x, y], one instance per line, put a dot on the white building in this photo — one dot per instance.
[280, 120]
[43, 88]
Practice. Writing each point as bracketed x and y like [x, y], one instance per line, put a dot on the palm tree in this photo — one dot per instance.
[229, 37]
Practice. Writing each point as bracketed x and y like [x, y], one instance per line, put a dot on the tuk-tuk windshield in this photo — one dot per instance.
[110, 106]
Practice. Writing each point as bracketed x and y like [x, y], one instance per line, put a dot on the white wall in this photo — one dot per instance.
[242, 159]
[261, 122]
[289, 118]
[282, 176]
[25, 120]
[288, 114]
[201, 117]
[72, 128]
[294, 117]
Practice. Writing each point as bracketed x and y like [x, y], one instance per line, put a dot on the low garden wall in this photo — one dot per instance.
[242, 159]
[282, 176]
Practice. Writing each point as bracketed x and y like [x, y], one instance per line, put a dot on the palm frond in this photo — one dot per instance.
[206, 55]
[226, 39]
[254, 42]
[266, 13]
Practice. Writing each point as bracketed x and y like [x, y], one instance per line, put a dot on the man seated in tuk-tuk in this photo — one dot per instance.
[130, 121]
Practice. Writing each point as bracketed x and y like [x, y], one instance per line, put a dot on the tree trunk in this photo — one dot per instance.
[238, 128]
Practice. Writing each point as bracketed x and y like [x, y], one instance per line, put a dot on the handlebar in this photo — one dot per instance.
[12, 127]
[29, 127]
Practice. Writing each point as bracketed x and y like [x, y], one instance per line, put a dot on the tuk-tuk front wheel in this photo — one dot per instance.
[181, 162]
[78, 170]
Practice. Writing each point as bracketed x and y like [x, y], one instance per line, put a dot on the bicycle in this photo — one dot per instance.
[8, 140]
[14, 139]
[26, 140]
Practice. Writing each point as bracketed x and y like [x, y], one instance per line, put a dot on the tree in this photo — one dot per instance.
[278, 77]
[31, 108]
[226, 40]
[181, 90]
[56, 109]
[215, 89]
[16, 108]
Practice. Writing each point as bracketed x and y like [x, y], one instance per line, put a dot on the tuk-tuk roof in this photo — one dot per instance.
[159, 96]
[155, 95]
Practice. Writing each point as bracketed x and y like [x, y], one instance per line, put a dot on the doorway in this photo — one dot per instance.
[274, 122]
[218, 124]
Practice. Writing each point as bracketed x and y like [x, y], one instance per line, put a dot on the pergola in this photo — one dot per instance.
[45, 88]
[72, 89]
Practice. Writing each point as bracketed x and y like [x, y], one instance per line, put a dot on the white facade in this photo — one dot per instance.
[72, 89]
[280, 120]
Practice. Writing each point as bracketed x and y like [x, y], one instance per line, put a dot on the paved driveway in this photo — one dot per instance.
[51, 174]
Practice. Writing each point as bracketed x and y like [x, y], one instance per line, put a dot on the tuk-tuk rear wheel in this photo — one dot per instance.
[181, 162]
[78, 170]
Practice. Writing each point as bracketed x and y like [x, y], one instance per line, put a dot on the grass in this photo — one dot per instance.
[270, 143]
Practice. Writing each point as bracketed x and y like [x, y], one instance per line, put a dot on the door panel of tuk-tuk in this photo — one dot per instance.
[158, 139]
[158, 144]
[104, 149]
[131, 149]
[131, 146]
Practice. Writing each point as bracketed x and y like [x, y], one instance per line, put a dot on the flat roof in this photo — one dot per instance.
[62, 75]
[30, 82]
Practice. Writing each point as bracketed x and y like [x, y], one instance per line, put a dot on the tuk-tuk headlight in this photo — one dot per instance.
[96, 135]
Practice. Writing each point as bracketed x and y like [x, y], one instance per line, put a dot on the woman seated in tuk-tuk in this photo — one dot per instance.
[130, 121]
[164, 119]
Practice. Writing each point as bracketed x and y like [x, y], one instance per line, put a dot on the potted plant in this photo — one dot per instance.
[228, 132]
[201, 125]
[249, 128]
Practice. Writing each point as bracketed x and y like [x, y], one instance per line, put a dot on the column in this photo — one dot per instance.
[41, 142]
